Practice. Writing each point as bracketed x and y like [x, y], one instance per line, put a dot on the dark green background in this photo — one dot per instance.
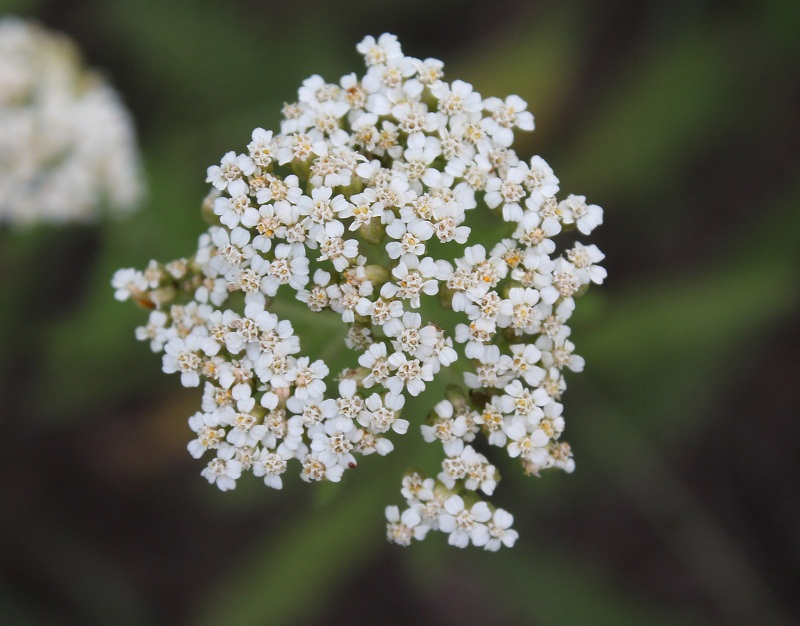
[679, 118]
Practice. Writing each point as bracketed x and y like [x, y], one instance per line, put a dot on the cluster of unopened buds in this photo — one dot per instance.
[67, 144]
[359, 207]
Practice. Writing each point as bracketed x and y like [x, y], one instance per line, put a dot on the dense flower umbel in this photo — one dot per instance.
[358, 207]
[67, 147]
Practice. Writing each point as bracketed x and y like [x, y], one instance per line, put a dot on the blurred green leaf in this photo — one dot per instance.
[717, 563]
[213, 57]
[674, 101]
[557, 588]
[20, 7]
[18, 610]
[695, 328]
[88, 579]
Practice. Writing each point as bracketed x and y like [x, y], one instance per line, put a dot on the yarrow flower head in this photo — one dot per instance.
[359, 209]
[67, 144]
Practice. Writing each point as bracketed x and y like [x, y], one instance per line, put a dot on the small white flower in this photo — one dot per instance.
[409, 375]
[401, 529]
[585, 259]
[559, 355]
[464, 525]
[381, 414]
[283, 192]
[509, 192]
[540, 181]
[183, 355]
[156, 331]
[314, 469]
[493, 420]
[536, 232]
[505, 115]
[523, 362]
[531, 446]
[386, 48]
[410, 238]
[209, 434]
[284, 270]
[224, 470]
[448, 428]
[500, 531]
[380, 311]
[237, 207]
[333, 247]
[231, 168]
[271, 465]
[479, 332]
[586, 217]
[518, 311]
[416, 488]
[308, 380]
[406, 333]
[334, 447]
[415, 277]
[376, 361]
[370, 443]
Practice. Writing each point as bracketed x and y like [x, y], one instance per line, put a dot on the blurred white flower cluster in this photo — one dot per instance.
[359, 208]
[67, 144]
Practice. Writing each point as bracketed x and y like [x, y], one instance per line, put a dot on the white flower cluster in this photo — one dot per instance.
[434, 506]
[358, 207]
[67, 144]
